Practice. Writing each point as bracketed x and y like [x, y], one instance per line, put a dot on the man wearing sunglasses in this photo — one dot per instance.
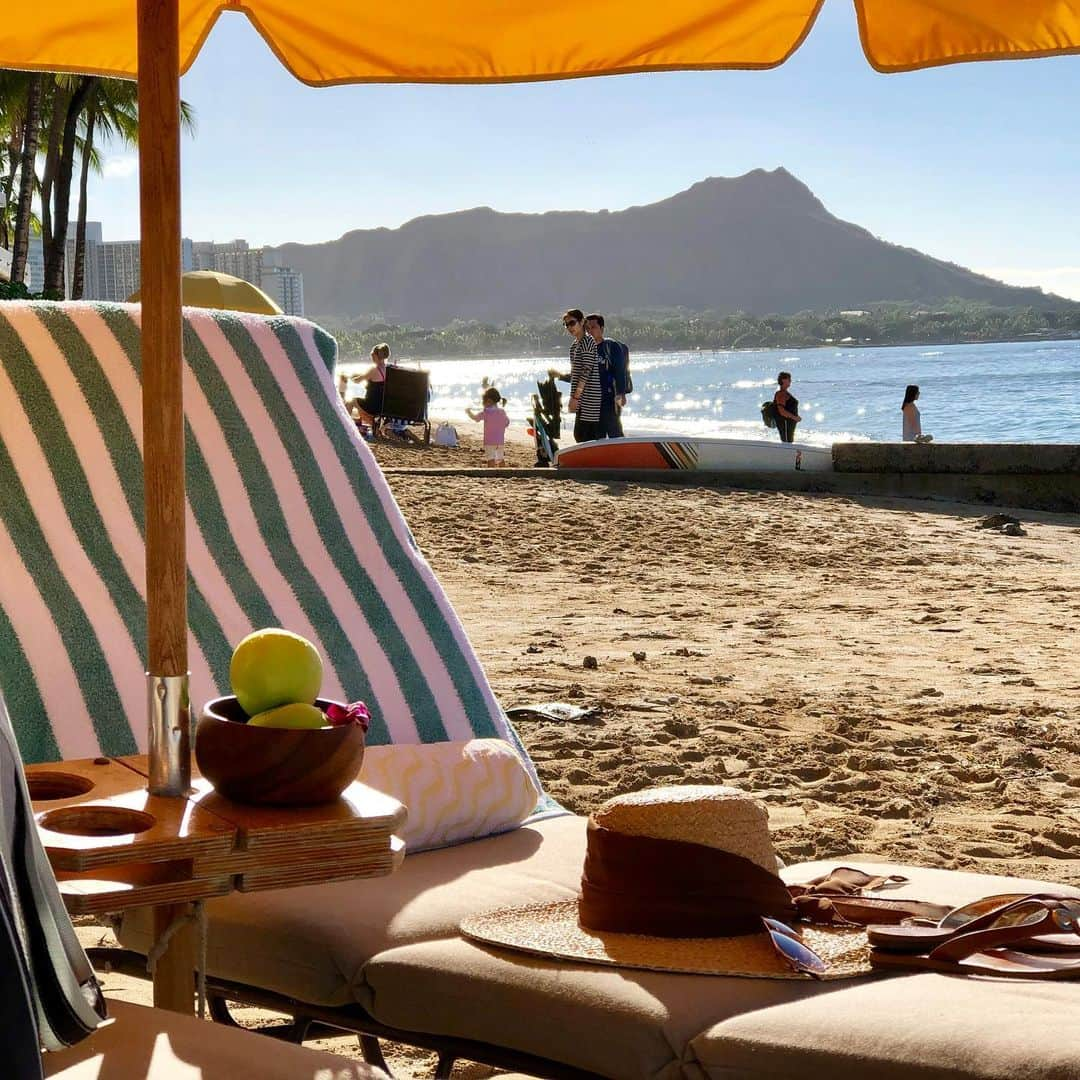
[584, 378]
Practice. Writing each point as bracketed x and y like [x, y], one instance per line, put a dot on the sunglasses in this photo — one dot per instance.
[570, 322]
[793, 951]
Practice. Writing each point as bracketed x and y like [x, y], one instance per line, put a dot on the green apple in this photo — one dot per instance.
[290, 716]
[274, 667]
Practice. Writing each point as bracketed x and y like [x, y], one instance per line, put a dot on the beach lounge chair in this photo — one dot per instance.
[292, 522]
[49, 995]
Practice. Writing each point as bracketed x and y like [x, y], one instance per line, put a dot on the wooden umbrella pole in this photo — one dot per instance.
[162, 384]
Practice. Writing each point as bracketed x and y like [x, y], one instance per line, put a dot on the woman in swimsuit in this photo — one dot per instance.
[912, 419]
[371, 406]
[787, 408]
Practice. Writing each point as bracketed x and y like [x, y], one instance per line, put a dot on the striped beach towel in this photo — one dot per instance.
[289, 523]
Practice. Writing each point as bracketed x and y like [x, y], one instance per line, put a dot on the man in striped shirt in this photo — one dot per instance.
[584, 379]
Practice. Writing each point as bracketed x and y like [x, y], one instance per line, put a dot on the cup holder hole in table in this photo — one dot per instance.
[96, 821]
[46, 786]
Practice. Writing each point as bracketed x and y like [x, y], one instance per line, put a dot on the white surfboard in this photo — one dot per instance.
[695, 454]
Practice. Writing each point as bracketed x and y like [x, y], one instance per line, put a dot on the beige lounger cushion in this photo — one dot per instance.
[920, 1025]
[631, 1024]
[909, 1027]
[151, 1044]
[312, 942]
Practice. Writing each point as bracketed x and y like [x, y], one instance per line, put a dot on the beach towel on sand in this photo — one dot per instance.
[290, 523]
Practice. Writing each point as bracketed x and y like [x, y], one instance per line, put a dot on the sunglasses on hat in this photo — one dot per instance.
[793, 950]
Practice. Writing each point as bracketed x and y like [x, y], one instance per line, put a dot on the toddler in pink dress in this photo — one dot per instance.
[495, 424]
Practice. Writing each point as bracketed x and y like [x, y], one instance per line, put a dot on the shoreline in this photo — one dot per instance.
[527, 355]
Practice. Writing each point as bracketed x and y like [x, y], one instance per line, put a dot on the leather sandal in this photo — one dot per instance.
[1042, 921]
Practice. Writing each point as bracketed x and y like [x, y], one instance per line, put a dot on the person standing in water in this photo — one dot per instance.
[787, 408]
[912, 419]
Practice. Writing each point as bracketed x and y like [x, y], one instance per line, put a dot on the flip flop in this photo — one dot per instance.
[1042, 921]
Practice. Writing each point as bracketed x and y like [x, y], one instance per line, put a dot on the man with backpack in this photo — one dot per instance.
[613, 367]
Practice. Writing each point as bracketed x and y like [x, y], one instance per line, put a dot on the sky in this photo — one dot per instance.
[978, 164]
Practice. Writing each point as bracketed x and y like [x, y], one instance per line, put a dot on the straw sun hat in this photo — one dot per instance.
[675, 879]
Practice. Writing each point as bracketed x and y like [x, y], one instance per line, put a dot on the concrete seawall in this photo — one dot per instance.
[971, 459]
[1032, 475]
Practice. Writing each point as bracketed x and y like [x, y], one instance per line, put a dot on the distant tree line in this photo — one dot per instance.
[887, 324]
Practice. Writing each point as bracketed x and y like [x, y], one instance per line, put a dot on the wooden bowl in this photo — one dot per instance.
[275, 766]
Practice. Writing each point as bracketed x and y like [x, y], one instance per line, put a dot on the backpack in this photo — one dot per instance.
[626, 370]
[768, 413]
[445, 435]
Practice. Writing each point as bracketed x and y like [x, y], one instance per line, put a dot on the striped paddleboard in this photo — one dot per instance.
[698, 455]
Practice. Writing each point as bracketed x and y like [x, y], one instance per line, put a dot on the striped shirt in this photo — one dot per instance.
[585, 378]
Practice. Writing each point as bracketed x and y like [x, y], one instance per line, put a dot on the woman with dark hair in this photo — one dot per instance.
[787, 408]
[910, 411]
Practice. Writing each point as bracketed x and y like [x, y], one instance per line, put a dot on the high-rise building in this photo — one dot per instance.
[285, 286]
[35, 265]
[114, 268]
[111, 270]
[237, 258]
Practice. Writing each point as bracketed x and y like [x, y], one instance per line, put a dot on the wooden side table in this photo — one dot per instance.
[113, 847]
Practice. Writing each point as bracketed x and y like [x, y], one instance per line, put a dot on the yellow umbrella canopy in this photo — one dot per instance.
[334, 41]
[209, 289]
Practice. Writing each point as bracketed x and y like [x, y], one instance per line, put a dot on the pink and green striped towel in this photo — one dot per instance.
[289, 523]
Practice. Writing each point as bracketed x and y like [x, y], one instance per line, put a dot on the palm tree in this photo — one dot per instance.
[69, 106]
[27, 175]
[12, 108]
[63, 115]
[112, 111]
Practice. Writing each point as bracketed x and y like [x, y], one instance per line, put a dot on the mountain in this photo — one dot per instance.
[761, 243]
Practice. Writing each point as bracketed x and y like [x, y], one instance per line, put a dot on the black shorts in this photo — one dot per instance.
[586, 430]
[786, 428]
[373, 399]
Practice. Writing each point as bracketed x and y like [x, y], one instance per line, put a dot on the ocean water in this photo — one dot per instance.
[1009, 392]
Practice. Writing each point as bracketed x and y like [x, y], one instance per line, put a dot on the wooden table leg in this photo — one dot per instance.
[174, 975]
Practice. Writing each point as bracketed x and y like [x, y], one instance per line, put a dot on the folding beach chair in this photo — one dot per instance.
[291, 522]
[405, 400]
[51, 998]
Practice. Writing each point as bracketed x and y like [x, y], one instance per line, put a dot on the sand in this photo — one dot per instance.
[887, 677]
